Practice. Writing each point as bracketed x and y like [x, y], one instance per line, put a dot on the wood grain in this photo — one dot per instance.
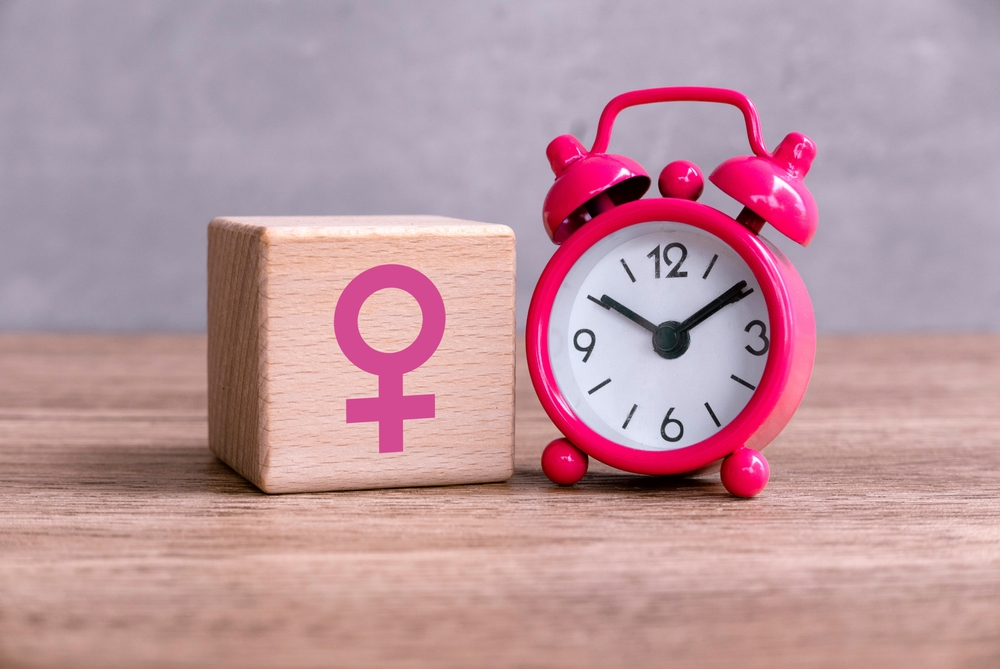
[124, 542]
[279, 381]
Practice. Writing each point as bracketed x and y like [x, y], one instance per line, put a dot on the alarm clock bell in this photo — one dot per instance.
[770, 186]
[587, 184]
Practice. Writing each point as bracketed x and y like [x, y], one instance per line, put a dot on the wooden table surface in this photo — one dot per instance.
[123, 542]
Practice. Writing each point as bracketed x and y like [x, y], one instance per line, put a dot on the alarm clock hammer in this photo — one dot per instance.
[670, 338]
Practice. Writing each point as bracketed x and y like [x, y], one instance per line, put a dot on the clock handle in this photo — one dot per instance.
[681, 94]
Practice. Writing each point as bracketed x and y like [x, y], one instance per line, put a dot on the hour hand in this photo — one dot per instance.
[609, 303]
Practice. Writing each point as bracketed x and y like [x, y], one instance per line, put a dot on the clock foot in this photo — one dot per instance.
[563, 462]
[745, 472]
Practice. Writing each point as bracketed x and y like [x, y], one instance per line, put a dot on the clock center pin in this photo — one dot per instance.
[669, 341]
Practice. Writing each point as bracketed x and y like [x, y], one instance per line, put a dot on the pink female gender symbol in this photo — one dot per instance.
[391, 407]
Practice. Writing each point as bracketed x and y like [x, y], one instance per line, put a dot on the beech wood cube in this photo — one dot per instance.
[361, 352]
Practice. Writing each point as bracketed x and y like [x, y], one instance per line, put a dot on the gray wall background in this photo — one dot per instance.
[126, 126]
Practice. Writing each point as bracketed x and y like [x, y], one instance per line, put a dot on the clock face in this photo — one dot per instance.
[658, 336]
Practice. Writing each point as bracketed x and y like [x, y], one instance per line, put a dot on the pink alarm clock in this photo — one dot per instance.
[663, 335]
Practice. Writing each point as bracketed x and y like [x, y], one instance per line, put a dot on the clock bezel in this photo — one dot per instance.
[777, 370]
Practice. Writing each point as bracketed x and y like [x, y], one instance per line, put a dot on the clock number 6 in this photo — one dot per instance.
[666, 421]
[676, 271]
[589, 348]
[762, 335]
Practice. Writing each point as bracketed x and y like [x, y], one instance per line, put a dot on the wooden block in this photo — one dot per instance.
[292, 411]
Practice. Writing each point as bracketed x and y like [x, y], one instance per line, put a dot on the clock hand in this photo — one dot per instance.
[731, 296]
[609, 303]
[672, 339]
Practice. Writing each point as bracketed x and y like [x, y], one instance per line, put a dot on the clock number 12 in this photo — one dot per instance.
[675, 272]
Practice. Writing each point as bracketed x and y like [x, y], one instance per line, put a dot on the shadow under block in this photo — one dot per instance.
[279, 381]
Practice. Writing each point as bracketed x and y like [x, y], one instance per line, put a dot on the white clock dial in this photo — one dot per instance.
[618, 328]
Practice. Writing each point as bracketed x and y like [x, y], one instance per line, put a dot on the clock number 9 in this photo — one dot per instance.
[589, 348]
[676, 271]
[666, 421]
[762, 335]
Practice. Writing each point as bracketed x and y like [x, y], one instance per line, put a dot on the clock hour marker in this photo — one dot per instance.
[712, 414]
[710, 266]
[628, 271]
[601, 385]
[739, 381]
[629, 417]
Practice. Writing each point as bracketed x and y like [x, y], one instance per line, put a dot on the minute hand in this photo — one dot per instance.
[734, 294]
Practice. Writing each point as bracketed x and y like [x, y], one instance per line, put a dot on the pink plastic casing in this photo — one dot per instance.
[563, 462]
[682, 179]
[786, 373]
[745, 473]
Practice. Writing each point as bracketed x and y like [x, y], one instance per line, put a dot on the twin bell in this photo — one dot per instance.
[770, 187]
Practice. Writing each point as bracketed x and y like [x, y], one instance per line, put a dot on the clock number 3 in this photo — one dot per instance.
[762, 335]
[589, 348]
[676, 271]
[667, 420]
